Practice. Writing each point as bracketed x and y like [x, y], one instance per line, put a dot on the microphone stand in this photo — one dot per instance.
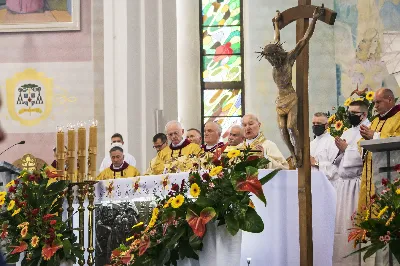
[21, 142]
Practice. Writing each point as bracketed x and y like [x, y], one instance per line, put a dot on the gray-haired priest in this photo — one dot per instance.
[257, 141]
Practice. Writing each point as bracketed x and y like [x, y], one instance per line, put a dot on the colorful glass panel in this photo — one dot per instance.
[220, 68]
[221, 40]
[222, 102]
[221, 12]
[226, 123]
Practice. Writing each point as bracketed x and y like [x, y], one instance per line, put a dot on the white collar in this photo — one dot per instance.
[249, 141]
[386, 112]
[116, 168]
[179, 144]
[326, 133]
[211, 146]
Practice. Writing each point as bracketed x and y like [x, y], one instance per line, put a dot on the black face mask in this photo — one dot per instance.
[318, 130]
[354, 120]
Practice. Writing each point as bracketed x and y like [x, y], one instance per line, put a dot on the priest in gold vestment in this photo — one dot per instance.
[385, 125]
[257, 141]
[119, 168]
[178, 147]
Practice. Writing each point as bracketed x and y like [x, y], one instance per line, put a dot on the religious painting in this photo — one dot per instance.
[113, 226]
[39, 15]
[29, 97]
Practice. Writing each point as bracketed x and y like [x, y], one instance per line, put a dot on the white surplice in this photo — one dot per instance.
[324, 150]
[350, 167]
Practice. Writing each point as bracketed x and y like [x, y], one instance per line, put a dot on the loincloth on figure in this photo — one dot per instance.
[285, 104]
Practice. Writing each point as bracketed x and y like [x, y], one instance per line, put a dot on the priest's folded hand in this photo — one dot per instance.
[366, 132]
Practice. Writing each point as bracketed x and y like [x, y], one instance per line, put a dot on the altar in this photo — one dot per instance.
[118, 200]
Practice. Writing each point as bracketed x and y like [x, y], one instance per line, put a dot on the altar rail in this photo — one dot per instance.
[116, 201]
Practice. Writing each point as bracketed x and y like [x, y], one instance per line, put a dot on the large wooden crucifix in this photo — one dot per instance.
[292, 106]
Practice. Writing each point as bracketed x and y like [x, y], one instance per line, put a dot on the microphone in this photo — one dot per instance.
[21, 142]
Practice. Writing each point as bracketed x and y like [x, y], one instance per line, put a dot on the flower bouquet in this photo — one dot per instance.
[339, 122]
[31, 220]
[178, 223]
[378, 225]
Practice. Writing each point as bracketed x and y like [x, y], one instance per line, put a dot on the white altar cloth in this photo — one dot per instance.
[277, 245]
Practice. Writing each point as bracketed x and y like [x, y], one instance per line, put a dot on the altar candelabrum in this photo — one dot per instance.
[85, 181]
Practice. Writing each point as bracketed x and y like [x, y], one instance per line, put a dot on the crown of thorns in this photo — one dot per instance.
[272, 47]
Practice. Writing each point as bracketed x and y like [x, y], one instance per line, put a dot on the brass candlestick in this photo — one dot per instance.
[70, 209]
[91, 207]
[81, 154]
[81, 210]
[92, 151]
[60, 153]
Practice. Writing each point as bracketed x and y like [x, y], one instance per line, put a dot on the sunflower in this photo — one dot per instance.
[338, 125]
[3, 194]
[16, 212]
[22, 225]
[195, 190]
[347, 102]
[215, 171]
[35, 241]
[11, 205]
[370, 95]
[24, 231]
[233, 154]
[178, 201]
[332, 118]
[11, 183]
[2, 200]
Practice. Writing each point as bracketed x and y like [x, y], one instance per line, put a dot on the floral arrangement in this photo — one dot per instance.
[31, 220]
[378, 225]
[179, 220]
[338, 122]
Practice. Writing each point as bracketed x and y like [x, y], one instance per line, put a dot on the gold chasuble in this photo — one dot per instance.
[165, 155]
[388, 125]
[124, 171]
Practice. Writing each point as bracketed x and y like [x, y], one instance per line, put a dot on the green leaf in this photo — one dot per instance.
[269, 176]
[358, 251]
[67, 248]
[231, 224]
[56, 188]
[178, 234]
[204, 202]
[252, 223]
[195, 242]
[372, 250]
[14, 258]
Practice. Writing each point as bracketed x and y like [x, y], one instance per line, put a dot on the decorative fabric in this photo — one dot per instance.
[285, 104]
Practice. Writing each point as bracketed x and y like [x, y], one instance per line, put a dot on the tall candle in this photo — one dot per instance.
[81, 153]
[92, 150]
[71, 155]
[60, 152]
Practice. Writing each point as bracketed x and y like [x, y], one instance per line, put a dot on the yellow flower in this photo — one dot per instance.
[24, 231]
[370, 95]
[137, 225]
[359, 99]
[398, 191]
[382, 212]
[2, 200]
[130, 238]
[338, 125]
[216, 170]
[233, 154]
[16, 212]
[347, 102]
[3, 194]
[332, 118]
[24, 224]
[153, 219]
[11, 183]
[390, 219]
[366, 216]
[251, 204]
[178, 201]
[35, 241]
[344, 129]
[328, 129]
[166, 205]
[195, 190]
[11, 205]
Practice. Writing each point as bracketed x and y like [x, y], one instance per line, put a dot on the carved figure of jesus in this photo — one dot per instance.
[286, 103]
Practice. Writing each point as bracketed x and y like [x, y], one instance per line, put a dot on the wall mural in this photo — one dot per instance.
[372, 29]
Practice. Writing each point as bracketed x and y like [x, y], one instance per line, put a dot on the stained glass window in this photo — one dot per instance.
[222, 62]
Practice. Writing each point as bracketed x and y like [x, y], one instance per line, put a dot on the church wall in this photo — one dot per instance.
[70, 63]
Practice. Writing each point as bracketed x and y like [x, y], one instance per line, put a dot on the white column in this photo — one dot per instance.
[115, 70]
[188, 62]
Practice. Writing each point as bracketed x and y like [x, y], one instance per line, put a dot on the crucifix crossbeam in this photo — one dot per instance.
[301, 14]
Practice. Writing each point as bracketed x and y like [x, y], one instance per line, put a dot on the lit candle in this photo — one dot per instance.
[81, 153]
[60, 152]
[92, 151]
[71, 154]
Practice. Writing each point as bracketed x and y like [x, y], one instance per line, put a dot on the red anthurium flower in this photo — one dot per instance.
[51, 174]
[251, 184]
[144, 245]
[21, 248]
[48, 251]
[198, 223]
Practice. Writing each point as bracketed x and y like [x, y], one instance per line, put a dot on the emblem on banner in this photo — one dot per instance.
[29, 97]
